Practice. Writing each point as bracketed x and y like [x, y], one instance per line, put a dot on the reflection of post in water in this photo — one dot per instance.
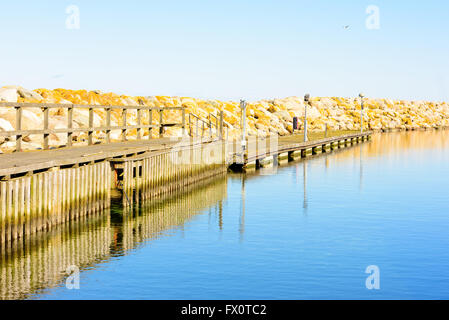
[170, 211]
[361, 169]
[41, 260]
[296, 175]
[220, 215]
[242, 211]
[305, 204]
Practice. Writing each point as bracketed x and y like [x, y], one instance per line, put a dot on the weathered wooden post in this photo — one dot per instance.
[361, 95]
[183, 121]
[150, 123]
[190, 125]
[19, 128]
[91, 125]
[161, 125]
[306, 102]
[108, 125]
[124, 124]
[46, 134]
[139, 129]
[69, 125]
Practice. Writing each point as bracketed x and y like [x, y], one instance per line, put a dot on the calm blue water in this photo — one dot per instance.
[307, 232]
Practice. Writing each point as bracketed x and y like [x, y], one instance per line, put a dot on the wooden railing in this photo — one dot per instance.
[212, 122]
[18, 133]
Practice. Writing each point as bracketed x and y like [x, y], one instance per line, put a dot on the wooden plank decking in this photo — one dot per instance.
[258, 149]
[24, 162]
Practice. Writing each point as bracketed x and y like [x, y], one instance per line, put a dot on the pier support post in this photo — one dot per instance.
[306, 152]
[334, 145]
[249, 166]
[266, 162]
[282, 158]
[317, 150]
[294, 155]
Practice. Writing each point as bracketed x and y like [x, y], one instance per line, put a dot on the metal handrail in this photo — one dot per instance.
[206, 124]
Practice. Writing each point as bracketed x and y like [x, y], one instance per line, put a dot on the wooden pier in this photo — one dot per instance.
[44, 188]
[263, 152]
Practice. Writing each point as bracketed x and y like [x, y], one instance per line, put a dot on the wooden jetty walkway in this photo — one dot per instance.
[44, 188]
[263, 152]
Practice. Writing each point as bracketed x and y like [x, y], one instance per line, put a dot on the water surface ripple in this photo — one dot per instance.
[307, 232]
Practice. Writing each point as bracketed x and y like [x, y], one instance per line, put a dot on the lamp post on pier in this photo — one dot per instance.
[361, 95]
[306, 102]
[243, 109]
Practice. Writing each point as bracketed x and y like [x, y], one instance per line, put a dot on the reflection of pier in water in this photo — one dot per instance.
[40, 261]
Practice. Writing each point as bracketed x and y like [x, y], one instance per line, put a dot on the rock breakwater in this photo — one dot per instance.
[269, 116]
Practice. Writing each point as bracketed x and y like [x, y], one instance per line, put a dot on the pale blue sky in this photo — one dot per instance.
[229, 49]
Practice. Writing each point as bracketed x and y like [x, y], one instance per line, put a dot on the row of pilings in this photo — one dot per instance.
[45, 259]
[38, 201]
[144, 177]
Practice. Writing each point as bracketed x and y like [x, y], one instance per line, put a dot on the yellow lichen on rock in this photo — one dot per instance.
[263, 117]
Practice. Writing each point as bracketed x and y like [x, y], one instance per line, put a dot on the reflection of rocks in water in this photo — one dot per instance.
[40, 261]
[395, 143]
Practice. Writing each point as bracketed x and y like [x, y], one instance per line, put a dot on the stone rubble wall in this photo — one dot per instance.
[264, 116]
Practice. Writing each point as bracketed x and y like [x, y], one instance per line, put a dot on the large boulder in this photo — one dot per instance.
[28, 94]
[8, 94]
[81, 118]
[293, 103]
[5, 126]
[30, 121]
[284, 115]
[328, 102]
